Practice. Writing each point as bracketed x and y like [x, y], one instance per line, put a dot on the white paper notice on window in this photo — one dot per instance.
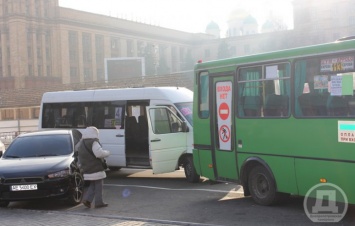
[336, 85]
[272, 72]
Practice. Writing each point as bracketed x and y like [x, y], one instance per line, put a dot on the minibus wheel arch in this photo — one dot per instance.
[186, 161]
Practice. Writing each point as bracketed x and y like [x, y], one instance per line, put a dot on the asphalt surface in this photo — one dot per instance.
[20, 217]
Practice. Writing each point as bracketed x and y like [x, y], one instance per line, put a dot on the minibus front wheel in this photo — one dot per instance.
[190, 171]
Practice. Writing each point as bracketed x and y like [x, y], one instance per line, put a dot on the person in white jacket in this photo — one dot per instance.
[91, 155]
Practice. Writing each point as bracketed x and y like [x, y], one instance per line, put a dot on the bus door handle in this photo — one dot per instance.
[155, 140]
[119, 135]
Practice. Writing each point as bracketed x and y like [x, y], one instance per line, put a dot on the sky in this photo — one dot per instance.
[185, 15]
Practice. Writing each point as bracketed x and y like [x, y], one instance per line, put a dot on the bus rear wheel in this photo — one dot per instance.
[262, 186]
[190, 171]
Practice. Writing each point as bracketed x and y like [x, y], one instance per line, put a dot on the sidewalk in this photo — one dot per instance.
[21, 217]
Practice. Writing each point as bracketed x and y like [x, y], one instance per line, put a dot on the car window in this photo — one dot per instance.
[37, 146]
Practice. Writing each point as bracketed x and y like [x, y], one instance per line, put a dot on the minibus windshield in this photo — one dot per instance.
[186, 110]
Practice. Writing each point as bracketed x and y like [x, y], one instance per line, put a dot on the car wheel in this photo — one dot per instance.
[262, 186]
[190, 171]
[77, 189]
[4, 203]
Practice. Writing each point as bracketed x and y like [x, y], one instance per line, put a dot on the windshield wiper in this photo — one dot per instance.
[46, 155]
[12, 156]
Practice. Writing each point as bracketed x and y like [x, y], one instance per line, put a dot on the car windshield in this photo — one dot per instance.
[37, 146]
[186, 110]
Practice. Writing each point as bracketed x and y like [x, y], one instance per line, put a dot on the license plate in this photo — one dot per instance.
[24, 187]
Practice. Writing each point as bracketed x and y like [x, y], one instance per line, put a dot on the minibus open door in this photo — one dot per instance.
[167, 139]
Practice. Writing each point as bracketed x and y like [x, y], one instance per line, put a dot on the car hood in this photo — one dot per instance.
[33, 167]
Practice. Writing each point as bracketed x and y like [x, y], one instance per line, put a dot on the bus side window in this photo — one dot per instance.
[264, 91]
[203, 95]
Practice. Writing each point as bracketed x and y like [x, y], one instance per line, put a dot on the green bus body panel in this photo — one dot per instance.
[202, 160]
[299, 151]
[226, 164]
[338, 173]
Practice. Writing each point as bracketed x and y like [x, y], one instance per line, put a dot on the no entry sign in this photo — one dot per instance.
[223, 111]
[223, 105]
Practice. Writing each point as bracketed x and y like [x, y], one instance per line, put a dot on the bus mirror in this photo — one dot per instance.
[184, 127]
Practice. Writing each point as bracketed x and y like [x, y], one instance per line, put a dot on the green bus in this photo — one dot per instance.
[278, 123]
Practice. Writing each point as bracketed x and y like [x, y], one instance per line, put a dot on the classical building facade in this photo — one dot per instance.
[43, 45]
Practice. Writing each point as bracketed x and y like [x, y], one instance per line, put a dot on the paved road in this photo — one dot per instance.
[21, 217]
[140, 198]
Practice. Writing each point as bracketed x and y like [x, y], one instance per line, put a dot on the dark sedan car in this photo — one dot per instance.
[41, 165]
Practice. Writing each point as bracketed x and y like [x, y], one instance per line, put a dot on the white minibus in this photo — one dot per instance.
[147, 128]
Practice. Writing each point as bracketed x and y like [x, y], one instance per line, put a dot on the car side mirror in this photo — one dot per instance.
[1, 154]
[184, 127]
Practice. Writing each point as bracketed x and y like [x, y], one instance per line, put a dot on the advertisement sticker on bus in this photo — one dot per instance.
[224, 103]
[346, 132]
[337, 64]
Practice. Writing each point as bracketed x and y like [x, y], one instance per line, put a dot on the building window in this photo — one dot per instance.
[37, 8]
[48, 53]
[29, 52]
[49, 70]
[86, 48]
[39, 70]
[73, 47]
[72, 55]
[27, 8]
[30, 70]
[100, 74]
[73, 72]
[39, 53]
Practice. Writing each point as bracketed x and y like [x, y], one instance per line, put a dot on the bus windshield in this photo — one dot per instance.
[186, 110]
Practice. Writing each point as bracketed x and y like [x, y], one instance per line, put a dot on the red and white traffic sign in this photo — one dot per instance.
[223, 111]
[224, 133]
[224, 114]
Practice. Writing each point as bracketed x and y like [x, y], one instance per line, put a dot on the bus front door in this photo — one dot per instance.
[223, 154]
[167, 141]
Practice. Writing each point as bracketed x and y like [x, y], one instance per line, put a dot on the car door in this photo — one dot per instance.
[167, 139]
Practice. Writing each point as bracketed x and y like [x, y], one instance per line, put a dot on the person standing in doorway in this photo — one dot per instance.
[91, 156]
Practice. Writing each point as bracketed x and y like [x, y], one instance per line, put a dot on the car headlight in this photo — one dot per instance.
[62, 173]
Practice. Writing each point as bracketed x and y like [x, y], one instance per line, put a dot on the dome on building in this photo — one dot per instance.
[213, 29]
[212, 25]
[240, 22]
[250, 20]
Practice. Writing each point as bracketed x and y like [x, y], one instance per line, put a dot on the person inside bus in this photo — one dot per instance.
[91, 155]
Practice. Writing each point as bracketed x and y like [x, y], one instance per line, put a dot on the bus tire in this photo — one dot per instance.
[190, 171]
[262, 186]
